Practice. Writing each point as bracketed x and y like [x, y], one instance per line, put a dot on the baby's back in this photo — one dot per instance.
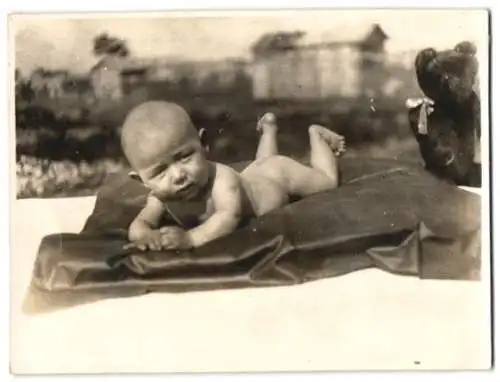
[259, 193]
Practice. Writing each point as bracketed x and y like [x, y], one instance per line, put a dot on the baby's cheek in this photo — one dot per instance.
[162, 186]
[198, 168]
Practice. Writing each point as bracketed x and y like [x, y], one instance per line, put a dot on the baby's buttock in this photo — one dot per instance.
[263, 193]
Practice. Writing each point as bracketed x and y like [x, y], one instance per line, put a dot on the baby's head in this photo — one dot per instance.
[163, 147]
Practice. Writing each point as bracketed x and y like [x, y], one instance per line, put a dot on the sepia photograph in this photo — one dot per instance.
[250, 191]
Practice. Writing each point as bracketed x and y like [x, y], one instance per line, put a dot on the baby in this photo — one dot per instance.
[163, 147]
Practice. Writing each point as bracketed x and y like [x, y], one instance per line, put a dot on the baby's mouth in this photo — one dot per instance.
[186, 189]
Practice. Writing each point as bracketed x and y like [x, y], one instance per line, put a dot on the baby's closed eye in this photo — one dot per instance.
[183, 156]
[159, 171]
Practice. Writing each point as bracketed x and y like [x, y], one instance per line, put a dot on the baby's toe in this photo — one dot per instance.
[269, 118]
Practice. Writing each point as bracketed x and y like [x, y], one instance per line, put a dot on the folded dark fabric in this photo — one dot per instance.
[386, 214]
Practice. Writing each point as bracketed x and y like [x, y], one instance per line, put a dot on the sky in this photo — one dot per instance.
[65, 41]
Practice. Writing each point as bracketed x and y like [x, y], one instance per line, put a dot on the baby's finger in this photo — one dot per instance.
[166, 242]
[152, 246]
[133, 246]
[167, 229]
[171, 245]
[170, 242]
[139, 246]
[158, 244]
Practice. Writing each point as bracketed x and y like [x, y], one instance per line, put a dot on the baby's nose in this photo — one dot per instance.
[178, 174]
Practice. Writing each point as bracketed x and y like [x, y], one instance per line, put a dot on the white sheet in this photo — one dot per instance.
[365, 320]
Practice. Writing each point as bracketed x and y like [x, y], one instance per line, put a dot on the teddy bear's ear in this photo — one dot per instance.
[466, 47]
[424, 57]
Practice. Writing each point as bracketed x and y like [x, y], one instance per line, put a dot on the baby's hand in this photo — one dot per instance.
[175, 238]
[152, 242]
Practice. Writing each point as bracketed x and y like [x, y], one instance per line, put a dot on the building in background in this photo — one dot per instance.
[296, 65]
[315, 70]
[49, 82]
[105, 78]
[401, 81]
[114, 77]
[78, 87]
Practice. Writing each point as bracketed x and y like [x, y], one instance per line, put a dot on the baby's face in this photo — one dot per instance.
[175, 170]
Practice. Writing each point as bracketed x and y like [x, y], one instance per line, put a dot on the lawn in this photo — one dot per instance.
[60, 161]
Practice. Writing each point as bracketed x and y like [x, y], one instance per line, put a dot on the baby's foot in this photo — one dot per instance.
[267, 123]
[334, 140]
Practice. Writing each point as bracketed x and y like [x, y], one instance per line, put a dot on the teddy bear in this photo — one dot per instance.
[446, 122]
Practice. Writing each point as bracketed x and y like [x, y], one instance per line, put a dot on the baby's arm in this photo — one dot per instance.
[146, 222]
[227, 202]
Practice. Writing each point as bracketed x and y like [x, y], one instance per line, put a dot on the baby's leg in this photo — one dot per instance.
[298, 179]
[326, 145]
[268, 144]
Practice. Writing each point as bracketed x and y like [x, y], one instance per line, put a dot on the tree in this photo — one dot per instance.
[184, 85]
[277, 41]
[211, 83]
[105, 44]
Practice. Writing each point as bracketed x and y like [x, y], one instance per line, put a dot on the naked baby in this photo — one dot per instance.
[163, 147]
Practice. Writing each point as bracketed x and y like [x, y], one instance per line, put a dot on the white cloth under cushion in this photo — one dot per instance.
[364, 320]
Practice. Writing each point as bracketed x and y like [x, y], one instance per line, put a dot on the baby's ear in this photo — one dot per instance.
[202, 133]
[135, 176]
